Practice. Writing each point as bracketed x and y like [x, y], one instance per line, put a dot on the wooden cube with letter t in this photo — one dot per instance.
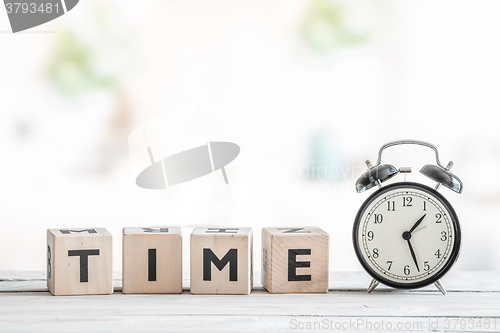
[295, 260]
[152, 260]
[221, 261]
[79, 261]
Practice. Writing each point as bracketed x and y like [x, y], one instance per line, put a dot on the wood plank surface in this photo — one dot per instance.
[472, 304]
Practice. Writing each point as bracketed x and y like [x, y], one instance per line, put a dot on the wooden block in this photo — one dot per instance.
[221, 261]
[152, 260]
[79, 261]
[295, 260]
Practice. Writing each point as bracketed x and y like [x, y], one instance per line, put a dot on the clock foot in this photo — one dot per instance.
[373, 285]
[440, 286]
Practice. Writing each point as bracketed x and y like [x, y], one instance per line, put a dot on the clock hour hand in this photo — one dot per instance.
[417, 223]
[413, 254]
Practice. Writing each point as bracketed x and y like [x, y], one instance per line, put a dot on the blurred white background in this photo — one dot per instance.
[307, 89]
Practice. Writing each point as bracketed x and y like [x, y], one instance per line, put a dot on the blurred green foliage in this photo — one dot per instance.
[327, 27]
[72, 69]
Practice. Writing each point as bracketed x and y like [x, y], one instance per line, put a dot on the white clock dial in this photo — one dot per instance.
[406, 235]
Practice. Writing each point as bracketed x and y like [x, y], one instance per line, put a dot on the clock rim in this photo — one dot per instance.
[455, 252]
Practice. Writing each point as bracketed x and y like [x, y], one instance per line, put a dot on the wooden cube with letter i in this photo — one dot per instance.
[79, 261]
[152, 260]
[221, 261]
[295, 260]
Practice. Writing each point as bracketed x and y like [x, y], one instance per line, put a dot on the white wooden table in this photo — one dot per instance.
[472, 304]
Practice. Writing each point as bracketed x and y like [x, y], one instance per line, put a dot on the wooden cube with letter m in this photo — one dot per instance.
[295, 260]
[79, 261]
[221, 261]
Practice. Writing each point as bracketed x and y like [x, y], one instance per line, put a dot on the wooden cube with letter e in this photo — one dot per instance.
[79, 261]
[152, 260]
[295, 260]
[221, 261]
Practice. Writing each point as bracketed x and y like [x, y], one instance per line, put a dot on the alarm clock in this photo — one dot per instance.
[406, 235]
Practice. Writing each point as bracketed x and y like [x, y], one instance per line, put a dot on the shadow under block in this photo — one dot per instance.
[221, 261]
[79, 261]
[295, 260]
[152, 260]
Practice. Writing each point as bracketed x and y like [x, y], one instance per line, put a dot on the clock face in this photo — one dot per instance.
[406, 235]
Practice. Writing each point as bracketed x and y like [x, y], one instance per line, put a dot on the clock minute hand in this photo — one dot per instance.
[413, 254]
[417, 223]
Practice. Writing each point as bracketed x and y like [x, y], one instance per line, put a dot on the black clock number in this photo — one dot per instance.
[426, 266]
[375, 253]
[443, 236]
[391, 206]
[407, 201]
[407, 270]
[438, 254]
[425, 206]
[438, 218]
[378, 218]
[389, 262]
[370, 235]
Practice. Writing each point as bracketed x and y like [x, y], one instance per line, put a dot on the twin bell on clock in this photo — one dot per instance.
[406, 235]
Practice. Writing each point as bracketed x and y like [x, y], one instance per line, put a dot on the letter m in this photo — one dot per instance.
[209, 257]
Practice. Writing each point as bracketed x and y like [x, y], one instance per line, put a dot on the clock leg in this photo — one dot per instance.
[373, 285]
[440, 286]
